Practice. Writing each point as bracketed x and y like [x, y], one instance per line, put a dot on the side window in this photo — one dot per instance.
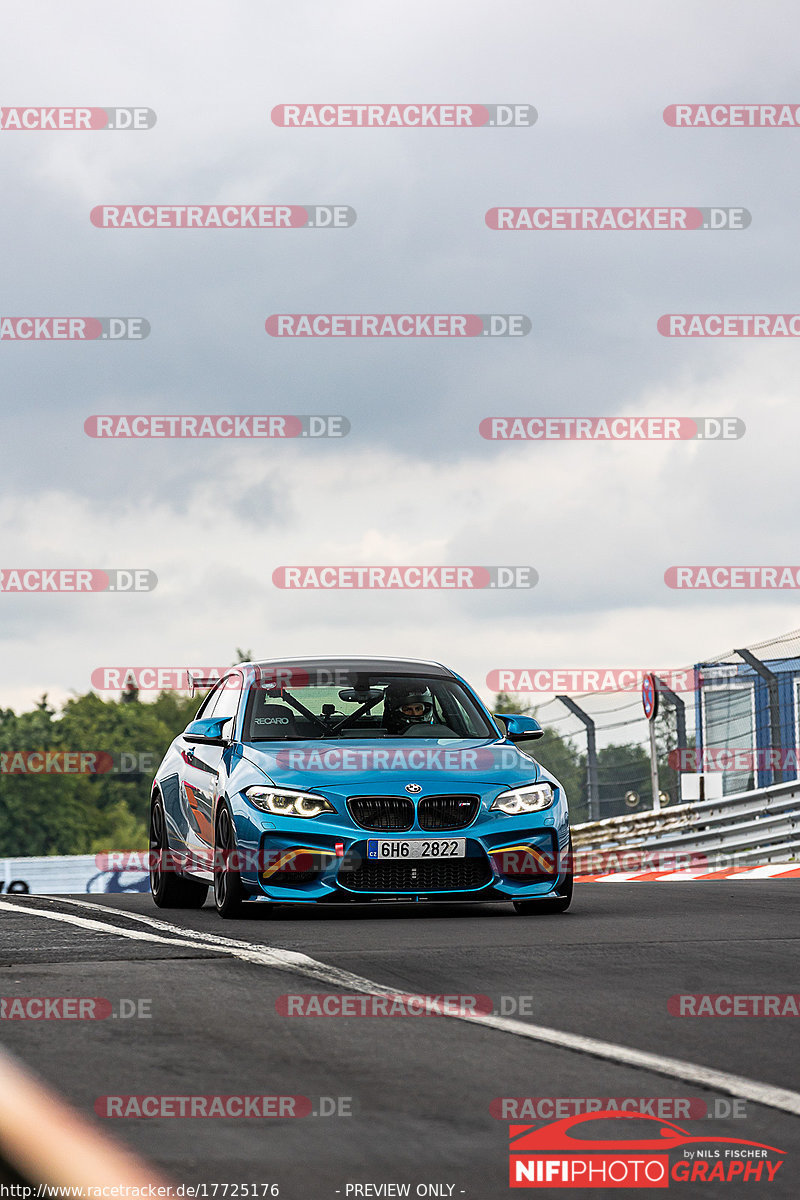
[452, 712]
[227, 702]
[206, 709]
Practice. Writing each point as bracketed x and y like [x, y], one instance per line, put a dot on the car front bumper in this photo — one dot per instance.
[289, 860]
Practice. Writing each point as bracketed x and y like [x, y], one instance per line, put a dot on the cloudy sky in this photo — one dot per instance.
[413, 482]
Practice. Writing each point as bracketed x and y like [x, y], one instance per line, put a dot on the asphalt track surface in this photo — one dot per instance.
[419, 1088]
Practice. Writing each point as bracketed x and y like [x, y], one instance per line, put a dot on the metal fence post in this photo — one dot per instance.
[774, 709]
[680, 711]
[593, 796]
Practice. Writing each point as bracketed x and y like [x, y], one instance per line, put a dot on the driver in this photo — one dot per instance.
[408, 708]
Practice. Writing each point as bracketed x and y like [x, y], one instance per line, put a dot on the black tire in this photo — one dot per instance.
[228, 890]
[558, 903]
[169, 889]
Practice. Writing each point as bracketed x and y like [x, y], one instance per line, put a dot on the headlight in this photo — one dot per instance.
[528, 799]
[288, 804]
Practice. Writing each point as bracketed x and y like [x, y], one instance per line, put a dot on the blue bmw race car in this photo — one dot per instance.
[347, 780]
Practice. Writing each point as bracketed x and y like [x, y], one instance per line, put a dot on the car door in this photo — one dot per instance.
[202, 765]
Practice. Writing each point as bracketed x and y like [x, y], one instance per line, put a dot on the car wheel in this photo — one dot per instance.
[228, 890]
[169, 890]
[558, 903]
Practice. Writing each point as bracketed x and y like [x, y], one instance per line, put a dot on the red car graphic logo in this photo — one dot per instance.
[572, 1154]
[666, 1136]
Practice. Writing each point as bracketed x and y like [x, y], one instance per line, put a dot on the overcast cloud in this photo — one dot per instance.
[413, 482]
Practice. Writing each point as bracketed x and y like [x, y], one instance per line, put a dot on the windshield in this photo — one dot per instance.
[363, 704]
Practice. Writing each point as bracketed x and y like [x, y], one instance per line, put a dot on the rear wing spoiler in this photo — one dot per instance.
[199, 683]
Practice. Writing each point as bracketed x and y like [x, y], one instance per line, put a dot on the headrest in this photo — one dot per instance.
[273, 721]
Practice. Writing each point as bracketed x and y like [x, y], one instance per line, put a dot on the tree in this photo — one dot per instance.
[73, 813]
[561, 758]
[556, 754]
[622, 769]
[505, 703]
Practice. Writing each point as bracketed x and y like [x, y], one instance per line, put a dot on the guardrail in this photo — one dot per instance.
[762, 826]
[63, 875]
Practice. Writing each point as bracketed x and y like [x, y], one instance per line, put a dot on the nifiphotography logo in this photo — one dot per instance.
[587, 1151]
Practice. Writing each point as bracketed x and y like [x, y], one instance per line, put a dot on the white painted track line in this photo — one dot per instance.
[301, 964]
[776, 871]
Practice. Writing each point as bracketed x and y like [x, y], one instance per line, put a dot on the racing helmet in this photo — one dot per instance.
[406, 706]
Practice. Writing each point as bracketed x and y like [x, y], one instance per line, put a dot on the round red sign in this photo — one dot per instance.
[650, 696]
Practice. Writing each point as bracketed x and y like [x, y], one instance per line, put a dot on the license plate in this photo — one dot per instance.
[416, 848]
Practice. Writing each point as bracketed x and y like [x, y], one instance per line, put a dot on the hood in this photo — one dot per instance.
[391, 763]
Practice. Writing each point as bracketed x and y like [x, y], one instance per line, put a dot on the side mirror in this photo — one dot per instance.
[208, 730]
[520, 729]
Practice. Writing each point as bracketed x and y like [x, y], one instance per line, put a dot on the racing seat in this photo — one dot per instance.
[274, 721]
